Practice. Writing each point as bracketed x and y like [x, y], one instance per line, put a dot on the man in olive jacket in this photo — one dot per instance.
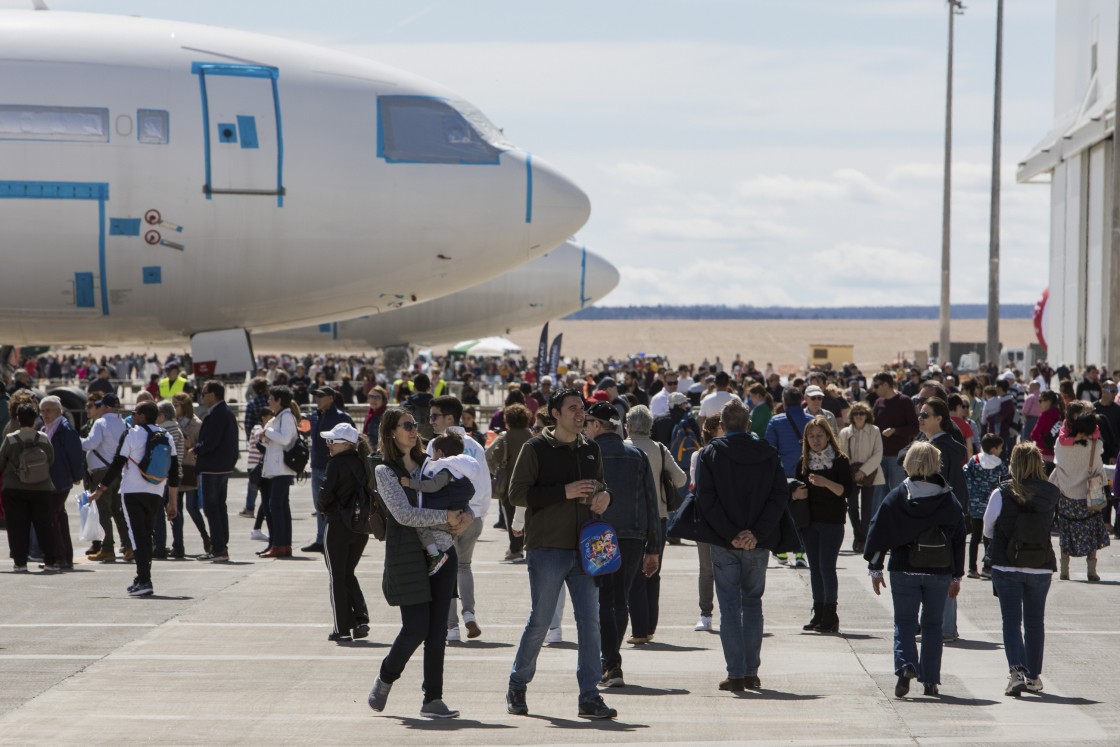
[559, 479]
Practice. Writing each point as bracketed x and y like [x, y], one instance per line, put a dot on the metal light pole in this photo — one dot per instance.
[1112, 353]
[992, 350]
[956, 7]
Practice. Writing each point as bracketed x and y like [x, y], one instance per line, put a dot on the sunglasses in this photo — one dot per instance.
[408, 426]
[670, 383]
[436, 416]
[924, 415]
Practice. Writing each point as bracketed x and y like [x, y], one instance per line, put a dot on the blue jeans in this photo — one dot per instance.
[250, 496]
[822, 545]
[276, 491]
[911, 591]
[213, 489]
[549, 570]
[190, 501]
[949, 619]
[894, 476]
[318, 477]
[1022, 601]
[740, 577]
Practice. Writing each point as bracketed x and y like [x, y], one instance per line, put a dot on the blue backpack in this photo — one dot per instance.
[156, 464]
[685, 440]
[598, 548]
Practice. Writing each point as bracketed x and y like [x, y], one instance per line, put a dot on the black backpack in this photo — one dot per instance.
[1030, 545]
[298, 454]
[372, 521]
[931, 549]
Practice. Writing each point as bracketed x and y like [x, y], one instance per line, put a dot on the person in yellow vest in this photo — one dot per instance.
[173, 383]
[439, 386]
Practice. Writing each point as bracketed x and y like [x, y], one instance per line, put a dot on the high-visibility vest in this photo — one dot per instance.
[167, 389]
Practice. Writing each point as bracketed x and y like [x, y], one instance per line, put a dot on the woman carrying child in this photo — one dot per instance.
[424, 600]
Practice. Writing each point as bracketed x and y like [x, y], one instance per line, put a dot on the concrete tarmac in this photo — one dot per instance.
[238, 654]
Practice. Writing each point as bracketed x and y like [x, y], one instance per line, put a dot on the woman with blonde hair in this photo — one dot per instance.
[921, 524]
[1017, 520]
[826, 477]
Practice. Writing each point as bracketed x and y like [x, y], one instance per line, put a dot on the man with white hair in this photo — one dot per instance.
[67, 469]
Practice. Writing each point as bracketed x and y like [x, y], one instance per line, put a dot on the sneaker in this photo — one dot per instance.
[473, 631]
[704, 623]
[638, 640]
[313, 547]
[512, 556]
[258, 535]
[104, 555]
[224, 558]
[752, 682]
[950, 637]
[986, 572]
[782, 557]
[973, 573]
[339, 638]
[143, 589]
[613, 678]
[733, 684]
[435, 562]
[554, 635]
[903, 686]
[20, 569]
[596, 709]
[379, 695]
[453, 634]
[515, 702]
[1034, 684]
[437, 709]
[1016, 683]
[247, 513]
[50, 567]
[800, 562]
[362, 631]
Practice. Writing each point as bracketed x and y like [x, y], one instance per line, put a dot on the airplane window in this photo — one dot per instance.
[85, 124]
[418, 129]
[152, 126]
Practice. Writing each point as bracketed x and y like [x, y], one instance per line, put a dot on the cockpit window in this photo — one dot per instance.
[417, 129]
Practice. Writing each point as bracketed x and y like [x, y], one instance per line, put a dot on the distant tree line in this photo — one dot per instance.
[959, 311]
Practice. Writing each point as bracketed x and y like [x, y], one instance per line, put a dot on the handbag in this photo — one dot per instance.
[1095, 498]
[868, 480]
[668, 489]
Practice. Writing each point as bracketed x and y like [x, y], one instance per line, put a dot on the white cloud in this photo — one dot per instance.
[641, 174]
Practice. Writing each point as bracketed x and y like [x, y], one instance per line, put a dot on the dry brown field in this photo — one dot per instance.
[783, 342]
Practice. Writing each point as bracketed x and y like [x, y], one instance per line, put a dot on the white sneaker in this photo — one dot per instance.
[704, 623]
[1016, 683]
[453, 634]
[258, 535]
[800, 562]
[554, 635]
[1034, 685]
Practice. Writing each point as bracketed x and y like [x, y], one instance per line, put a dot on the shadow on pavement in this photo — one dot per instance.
[1059, 699]
[640, 690]
[447, 724]
[165, 598]
[599, 724]
[658, 646]
[974, 645]
[764, 694]
[949, 700]
[467, 645]
[563, 646]
[858, 636]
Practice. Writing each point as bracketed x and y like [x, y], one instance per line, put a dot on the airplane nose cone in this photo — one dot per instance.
[600, 277]
[555, 207]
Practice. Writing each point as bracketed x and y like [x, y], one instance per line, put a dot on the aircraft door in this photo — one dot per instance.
[243, 140]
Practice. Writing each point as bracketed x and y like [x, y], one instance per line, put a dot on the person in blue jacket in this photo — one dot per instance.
[785, 432]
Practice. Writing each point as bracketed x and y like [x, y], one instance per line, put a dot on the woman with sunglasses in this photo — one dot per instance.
[424, 600]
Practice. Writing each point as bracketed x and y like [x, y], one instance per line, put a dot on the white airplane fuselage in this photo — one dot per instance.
[565, 280]
[159, 179]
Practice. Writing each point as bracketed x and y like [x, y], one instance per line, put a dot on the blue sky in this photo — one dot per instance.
[735, 151]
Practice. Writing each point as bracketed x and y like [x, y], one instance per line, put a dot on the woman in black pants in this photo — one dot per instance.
[345, 489]
[424, 600]
[826, 475]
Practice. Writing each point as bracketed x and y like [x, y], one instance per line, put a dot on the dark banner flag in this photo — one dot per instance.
[542, 354]
[554, 356]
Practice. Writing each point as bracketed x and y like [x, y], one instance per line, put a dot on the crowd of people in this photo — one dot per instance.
[748, 463]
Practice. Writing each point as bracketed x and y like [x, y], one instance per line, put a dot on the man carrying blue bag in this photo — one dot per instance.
[741, 496]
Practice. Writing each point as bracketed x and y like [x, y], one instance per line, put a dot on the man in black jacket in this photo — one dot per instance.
[216, 457]
[633, 514]
[741, 493]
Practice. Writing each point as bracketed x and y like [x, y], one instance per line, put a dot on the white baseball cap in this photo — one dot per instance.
[341, 432]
